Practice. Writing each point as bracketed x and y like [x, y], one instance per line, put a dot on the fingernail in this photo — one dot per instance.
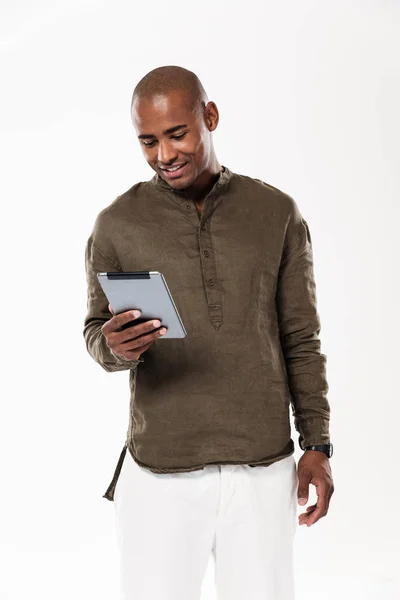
[162, 331]
[302, 500]
[136, 313]
[156, 323]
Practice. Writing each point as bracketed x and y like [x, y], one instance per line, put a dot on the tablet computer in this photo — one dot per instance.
[146, 291]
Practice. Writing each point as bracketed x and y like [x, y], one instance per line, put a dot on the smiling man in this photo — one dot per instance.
[183, 153]
[207, 465]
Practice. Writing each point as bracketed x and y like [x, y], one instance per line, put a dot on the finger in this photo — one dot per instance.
[110, 309]
[117, 321]
[305, 477]
[135, 331]
[311, 519]
[309, 509]
[303, 518]
[138, 342]
[321, 510]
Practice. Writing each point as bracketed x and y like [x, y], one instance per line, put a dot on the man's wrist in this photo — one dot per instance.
[325, 448]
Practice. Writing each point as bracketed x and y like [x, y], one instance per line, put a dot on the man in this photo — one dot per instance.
[208, 459]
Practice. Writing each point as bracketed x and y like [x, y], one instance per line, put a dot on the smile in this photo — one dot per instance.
[174, 170]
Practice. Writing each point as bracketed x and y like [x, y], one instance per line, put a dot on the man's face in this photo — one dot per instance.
[189, 142]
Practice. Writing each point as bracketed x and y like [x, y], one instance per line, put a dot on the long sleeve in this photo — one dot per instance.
[98, 313]
[299, 326]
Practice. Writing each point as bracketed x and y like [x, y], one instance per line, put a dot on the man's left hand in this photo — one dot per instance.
[314, 468]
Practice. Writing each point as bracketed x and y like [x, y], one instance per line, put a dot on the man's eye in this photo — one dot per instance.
[174, 137]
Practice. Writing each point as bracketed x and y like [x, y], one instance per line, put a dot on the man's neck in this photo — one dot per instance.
[199, 205]
[198, 192]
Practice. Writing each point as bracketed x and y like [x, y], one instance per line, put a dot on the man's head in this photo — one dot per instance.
[174, 120]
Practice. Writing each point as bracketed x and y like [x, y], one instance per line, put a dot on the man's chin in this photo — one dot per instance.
[177, 184]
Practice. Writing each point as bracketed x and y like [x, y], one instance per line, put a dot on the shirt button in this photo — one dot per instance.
[206, 253]
[210, 282]
[187, 206]
[203, 227]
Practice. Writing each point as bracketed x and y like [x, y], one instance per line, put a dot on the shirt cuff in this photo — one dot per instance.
[314, 433]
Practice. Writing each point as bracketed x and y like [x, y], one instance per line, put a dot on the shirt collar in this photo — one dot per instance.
[222, 182]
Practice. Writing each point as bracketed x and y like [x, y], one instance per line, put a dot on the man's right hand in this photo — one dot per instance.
[128, 343]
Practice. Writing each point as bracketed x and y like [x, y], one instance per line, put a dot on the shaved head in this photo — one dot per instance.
[174, 121]
[163, 80]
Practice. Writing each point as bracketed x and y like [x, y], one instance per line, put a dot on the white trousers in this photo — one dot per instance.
[168, 526]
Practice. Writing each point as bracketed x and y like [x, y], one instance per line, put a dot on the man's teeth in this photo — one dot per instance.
[174, 168]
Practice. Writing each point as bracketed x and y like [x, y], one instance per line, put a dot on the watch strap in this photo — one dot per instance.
[326, 448]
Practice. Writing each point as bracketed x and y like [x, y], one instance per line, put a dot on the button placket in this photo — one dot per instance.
[212, 287]
[190, 210]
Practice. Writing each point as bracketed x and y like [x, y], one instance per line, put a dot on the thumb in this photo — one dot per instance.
[302, 491]
[110, 309]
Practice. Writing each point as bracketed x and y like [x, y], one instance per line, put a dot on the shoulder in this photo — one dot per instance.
[111, 218]
[278, 200]
[120, 207]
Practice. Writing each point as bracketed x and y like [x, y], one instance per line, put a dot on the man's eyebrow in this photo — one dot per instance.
[144, 136]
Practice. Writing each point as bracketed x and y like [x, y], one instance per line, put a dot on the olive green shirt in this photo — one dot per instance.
[241, 275]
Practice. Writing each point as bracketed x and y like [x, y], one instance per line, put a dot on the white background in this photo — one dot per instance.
[308, 94]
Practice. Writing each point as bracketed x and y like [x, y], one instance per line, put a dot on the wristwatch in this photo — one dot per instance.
[327, 448]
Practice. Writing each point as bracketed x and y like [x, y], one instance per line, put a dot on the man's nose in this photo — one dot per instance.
[166, 153]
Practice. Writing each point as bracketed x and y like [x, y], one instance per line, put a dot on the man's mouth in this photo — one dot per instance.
[175, 170]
